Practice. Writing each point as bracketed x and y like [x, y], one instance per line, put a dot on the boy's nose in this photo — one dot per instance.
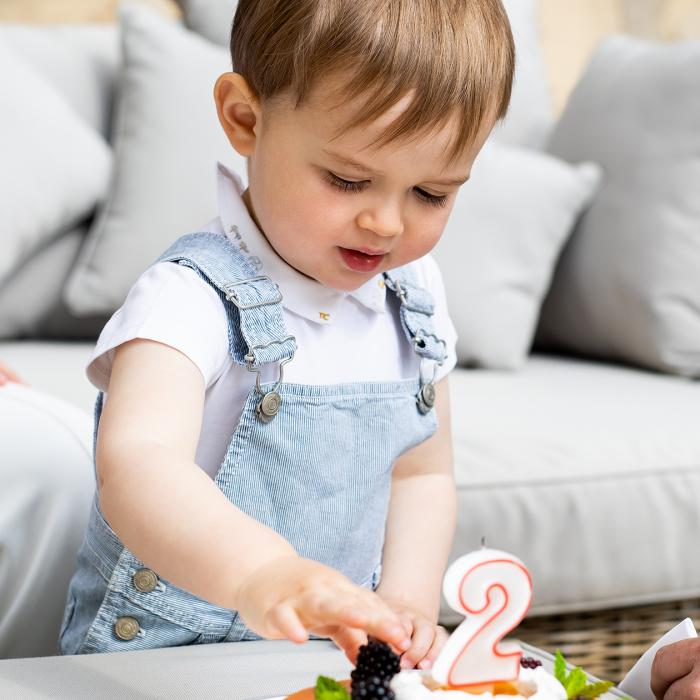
[385, 221]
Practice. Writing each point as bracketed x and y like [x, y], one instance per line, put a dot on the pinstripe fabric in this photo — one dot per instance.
[224, 266]
[319, 473]
[416, 314]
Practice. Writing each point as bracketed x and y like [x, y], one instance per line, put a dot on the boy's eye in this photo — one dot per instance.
[434, 199]
[345, 185]
[358, 186]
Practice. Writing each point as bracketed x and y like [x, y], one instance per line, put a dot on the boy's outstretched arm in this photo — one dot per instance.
[174, 518]
[419, 533]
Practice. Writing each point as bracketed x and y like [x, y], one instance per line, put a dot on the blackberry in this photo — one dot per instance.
[375, 659]
[529, 662]
[373, 688]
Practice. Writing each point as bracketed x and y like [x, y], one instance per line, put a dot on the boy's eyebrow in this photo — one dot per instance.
[350, 162]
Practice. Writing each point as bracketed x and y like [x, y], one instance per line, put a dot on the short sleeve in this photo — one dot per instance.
[173, 305]
[431, 277]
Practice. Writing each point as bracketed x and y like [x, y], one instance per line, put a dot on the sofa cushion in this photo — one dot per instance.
[55, 368]
[530, 115]
[569, 464]
[167, 142]
[23, 302]
[54, 166]
[31, 310]
[628, 284]
[81, 61]
[589, 472]
[499, 248]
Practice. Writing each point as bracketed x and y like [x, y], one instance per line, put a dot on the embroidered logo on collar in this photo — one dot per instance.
[253, 259]
[324, 316]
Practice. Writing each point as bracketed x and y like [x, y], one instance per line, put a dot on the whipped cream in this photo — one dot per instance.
[535, 684]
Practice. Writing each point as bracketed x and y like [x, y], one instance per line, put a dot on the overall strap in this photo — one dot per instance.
[257, 334]
[417, 308]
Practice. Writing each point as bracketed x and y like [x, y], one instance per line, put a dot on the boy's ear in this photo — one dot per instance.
[238, 110]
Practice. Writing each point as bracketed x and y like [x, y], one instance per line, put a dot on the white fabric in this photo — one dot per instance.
[54, 167]
[47, 487]
[500, 245]
[628, 284]
[341, 337]
[81, 61]
[166, 137]
[589, 472]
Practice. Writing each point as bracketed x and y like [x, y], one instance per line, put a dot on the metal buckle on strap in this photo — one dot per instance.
[269, 405]
[230, 294]
[250, 357]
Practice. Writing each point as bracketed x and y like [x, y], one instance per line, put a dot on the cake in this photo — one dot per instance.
[492, 589]
[378, 677]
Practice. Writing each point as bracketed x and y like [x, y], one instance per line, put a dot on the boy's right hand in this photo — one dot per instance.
[291, 597]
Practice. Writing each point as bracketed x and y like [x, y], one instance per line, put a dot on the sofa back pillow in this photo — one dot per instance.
[167, 142]
[54, 167]
[81, 61]
[628, 284]
[500, 245]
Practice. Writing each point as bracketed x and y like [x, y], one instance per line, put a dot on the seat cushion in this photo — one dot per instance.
[47, 486]
[57, 368]
[589, 472]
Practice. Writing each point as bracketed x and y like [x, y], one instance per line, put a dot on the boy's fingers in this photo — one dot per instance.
[285, 619]
[407, 623]
[350, 640]
[384, 625]
[441, 637]
[423, 637]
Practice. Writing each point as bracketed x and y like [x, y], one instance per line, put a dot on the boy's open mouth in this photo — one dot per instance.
[359, 261]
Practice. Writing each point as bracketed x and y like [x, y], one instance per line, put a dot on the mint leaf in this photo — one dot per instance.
[560, 672]
[329, 689]
[575, 682]
[593, 690]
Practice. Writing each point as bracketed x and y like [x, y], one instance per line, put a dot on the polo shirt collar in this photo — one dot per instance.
[302, 295]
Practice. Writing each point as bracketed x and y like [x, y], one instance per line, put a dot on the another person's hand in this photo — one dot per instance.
[675, 673]
[292, 597]
[427, 638]
[8, 375]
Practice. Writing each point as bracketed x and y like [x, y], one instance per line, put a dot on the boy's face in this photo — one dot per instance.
[342, 223]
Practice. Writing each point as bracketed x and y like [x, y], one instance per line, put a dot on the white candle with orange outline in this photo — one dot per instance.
[493, 590]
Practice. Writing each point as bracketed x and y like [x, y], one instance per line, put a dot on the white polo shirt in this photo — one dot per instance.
[341, 336]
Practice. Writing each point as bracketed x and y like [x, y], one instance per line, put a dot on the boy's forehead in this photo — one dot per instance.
[328, 122]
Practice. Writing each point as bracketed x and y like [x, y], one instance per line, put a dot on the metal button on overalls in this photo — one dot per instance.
[426, 398]
[145, 580]
[268, 407]
[126, 628]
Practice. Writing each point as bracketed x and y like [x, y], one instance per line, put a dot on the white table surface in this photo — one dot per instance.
[234, 671]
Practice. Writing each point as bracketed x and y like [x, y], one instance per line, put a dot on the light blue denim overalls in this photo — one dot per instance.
[312, 462]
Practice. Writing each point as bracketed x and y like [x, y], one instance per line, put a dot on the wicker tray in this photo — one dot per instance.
[606, 643]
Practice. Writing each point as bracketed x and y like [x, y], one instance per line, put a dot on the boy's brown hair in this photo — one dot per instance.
[457, 55]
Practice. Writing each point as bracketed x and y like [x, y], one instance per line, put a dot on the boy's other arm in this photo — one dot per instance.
[421, 521]
[175, 519]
